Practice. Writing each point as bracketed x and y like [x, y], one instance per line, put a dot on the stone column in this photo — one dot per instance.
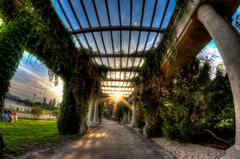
[96, 114]
[124, 121]
[90, 113]
[134, 115]
[129, 116]
[228, 43]
[145, 128]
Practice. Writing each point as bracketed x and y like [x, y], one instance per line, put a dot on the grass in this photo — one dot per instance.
[26, 135]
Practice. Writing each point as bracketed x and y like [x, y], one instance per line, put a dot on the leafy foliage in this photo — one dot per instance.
[68, 121]
[34, 26]
[193, 102]
[36, 112]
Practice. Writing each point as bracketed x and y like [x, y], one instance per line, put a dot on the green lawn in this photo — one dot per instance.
[26, 135]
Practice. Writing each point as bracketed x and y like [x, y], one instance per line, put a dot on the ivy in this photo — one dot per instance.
[34, 26]
[68, 121]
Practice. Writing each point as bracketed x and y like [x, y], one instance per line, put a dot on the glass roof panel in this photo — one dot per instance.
[104, 27]
[168, 13]
[99, 42]
[125, 37]
[150, 40]
[107, 41]
[137, 11]
[114, 83]
[79, 12]
[118, 62]
[91, 42]
[113, 9]
[98, 61]
[116, 88]
[125, 12]
[142, 41]
[63, 6]
[91, 12]
[159, 13]
[148, 13]
[116, 41]
[101, 9]
[133, 43]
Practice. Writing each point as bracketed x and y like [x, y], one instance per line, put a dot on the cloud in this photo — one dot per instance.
[29, 80]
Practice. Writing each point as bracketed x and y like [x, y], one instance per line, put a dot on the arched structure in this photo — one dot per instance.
[95, 35]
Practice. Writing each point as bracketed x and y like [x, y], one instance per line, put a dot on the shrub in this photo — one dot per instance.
[36, 112]
[56, 113]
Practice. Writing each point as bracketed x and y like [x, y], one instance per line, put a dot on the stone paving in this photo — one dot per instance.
[110, 141]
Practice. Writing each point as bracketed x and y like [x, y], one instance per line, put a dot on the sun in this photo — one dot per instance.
[117, 96]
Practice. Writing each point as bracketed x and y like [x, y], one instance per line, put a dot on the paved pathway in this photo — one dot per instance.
[110, 141]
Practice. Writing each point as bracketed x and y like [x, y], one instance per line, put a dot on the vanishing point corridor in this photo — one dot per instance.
[109, 141]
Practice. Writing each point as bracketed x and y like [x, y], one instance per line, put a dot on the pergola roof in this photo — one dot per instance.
[117, 33]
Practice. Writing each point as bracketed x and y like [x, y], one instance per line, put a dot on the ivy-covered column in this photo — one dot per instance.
[12, 39]
[68, 121]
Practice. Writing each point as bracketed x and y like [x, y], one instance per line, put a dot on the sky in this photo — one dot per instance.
[31, 76]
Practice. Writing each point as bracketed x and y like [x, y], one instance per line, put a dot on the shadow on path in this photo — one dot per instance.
[110, 141]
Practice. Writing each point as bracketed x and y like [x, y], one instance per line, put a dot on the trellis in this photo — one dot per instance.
[119, 63]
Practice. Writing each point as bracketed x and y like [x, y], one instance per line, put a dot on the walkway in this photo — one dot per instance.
[110, 141]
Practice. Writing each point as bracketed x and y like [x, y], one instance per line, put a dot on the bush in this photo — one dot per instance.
[36, 112]
[56, 113]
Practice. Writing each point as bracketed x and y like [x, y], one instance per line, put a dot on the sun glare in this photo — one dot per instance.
[117, 96]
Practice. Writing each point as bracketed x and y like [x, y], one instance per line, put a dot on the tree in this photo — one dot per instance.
[183, 103]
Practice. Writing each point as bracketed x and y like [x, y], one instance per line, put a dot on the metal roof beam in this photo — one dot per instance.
[116, 86]
[117, 55]
[137, 69]
[117, 28]
[117, 80]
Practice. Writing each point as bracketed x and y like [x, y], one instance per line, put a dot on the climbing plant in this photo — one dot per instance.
[34, 26]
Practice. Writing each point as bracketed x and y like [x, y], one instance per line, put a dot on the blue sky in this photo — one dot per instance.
[32, 76]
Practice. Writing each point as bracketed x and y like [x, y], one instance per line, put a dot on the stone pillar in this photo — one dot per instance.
[145, 128]
[129, 116]
[228, 43]
[134, 115]
[124, 121]
[90, 113]
[96, 114]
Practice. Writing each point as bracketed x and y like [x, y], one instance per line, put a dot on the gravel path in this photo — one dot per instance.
[110, 141]
[188, 150]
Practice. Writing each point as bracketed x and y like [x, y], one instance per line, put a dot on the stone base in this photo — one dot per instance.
[232, 153]
[82, 128]
[145, 133]
[133, 125]
[93, 124]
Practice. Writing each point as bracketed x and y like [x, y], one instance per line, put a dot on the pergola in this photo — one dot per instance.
[116, 34]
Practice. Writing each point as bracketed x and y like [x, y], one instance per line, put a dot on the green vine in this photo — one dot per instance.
[34, 26]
